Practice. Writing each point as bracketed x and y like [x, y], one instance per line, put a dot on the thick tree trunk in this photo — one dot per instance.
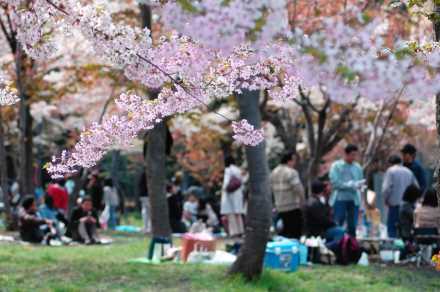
[25, 126]
[156, 180]
[155, 160]
[4, 174]
[258, 221]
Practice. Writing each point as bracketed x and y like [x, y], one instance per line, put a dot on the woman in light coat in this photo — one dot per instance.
[232, 203]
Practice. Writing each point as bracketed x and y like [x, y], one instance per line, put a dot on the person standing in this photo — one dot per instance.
[145, 202]
[288, 193]
[409, 153]
[232, 199]
[95, 191]
[396, 180]
[111, 199]
[347, 179]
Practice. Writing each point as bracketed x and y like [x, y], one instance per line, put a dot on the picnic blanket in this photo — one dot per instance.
[16, 240]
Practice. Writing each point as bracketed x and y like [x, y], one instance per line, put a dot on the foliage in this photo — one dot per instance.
[201, 155]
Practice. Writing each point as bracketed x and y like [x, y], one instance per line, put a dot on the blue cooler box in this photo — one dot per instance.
[282, 255]
[303, 254]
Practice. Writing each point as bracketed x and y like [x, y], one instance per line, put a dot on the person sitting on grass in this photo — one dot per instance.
[206, 214]
[190, 208]
[49, 212]
[319, 221]
[84, 222]
[33, 228]
[406, 212]
[427, 215]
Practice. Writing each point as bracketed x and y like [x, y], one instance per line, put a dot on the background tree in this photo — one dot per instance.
[155, 161]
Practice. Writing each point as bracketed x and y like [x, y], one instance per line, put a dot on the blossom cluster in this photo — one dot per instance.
[219, 48]
[236, 21]
[349, 60]
[246, 134]
[8, 94]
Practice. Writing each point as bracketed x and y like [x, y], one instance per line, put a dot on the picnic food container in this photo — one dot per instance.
[282, 255]
[196, 242]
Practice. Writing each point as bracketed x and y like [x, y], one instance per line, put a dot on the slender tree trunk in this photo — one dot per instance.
[25, 126]
[4, 174]
[258, 221]
[155, 160]
[436, 24]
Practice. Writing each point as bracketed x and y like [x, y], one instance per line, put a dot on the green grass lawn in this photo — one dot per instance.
[107, 268]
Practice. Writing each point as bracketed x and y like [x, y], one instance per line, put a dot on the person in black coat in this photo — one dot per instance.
[84, 223]
[319, 219]
[95, 191]
[175, 207]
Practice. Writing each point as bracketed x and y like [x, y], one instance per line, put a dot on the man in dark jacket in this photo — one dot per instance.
[30, 223]
[409, 153]
[84, 222]
[319, 219]
[95, 191]
[318, 212]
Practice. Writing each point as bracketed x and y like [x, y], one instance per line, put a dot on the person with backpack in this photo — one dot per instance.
[232, 200]
[289, 197]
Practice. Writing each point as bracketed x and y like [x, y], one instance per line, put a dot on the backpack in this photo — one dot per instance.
[348, 250]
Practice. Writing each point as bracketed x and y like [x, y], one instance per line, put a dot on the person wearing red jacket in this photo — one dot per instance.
[59, 195]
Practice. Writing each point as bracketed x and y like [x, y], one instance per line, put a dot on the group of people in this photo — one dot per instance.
[332, 208]
[49, 218]
[193, 206]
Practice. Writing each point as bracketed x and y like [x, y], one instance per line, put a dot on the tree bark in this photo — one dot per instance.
[25, 126]
[155, 160]
[258, 221]
[156, 180]
[4, 175]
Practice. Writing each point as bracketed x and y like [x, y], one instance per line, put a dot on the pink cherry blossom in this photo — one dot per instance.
[246, 134]
[8, 95]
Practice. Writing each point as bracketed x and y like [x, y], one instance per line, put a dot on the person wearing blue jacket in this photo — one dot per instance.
[347, 179]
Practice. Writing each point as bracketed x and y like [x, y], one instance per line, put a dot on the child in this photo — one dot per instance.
[190, 209]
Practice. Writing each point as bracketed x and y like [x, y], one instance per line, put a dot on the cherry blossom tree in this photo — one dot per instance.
[223, 49]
